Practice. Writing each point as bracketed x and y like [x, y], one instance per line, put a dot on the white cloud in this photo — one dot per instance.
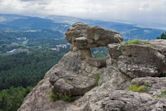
[143, 12]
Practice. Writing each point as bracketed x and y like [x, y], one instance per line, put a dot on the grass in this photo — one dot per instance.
[135, 41]
[162, 94]
[97, 79]
[54, 96]
[138, 88]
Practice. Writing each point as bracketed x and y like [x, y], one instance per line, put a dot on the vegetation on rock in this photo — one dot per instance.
[135, 41]
[54, 96]
[138, 88]
[97, 79]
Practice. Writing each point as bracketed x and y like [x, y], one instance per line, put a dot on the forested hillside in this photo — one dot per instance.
[25, 57]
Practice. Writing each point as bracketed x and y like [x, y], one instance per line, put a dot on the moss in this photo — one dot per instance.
[162, 94]
[54, 96]
[135, 41]
[97, 79]
[138, 88]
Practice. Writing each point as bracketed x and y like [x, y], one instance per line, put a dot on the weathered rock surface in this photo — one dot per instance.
[120, 100]
[105, 88]
[138, 60]
[74, 77]
[77, 30]
[155, 84]
[123, 100]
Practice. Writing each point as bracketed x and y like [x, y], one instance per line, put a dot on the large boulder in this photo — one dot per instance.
[138, 60]
[98, 37]
[74, 77]
[160, 45]
[70, 84]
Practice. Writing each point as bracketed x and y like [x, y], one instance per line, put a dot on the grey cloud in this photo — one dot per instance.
[144, 12]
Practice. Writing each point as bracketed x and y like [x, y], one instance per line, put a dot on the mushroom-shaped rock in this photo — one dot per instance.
[83, 36]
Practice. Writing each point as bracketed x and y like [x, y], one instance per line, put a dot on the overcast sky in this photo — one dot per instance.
[150, 13]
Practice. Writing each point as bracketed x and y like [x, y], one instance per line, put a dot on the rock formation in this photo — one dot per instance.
[138, 60]
[84, 37]
[132, 78]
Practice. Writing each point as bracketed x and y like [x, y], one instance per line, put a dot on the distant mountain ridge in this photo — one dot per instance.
[17, 22]
[62, 23]
[129, 31]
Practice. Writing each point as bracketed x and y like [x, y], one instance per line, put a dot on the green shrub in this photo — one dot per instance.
[54, 96]
[138, 88]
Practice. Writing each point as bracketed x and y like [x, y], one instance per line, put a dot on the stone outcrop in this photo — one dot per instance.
[155, 84]
[75, 77]
[132, 78]
[123, 100]
[138, 60]
[84, 37]
[120, 100]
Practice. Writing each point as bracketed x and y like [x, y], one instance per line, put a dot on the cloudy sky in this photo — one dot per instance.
[150, 13]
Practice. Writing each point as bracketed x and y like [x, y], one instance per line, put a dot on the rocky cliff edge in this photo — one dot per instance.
[131, 78]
